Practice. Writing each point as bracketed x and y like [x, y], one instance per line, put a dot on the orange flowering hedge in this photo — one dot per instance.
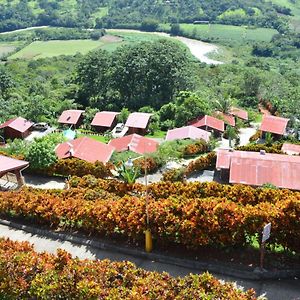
[196, 148]
[201, 163]
[191, 215]
[26, 274]
[275, 148]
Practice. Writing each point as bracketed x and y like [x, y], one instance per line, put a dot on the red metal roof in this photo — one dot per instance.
[188, 132]
[86, 149]
[70, 116]
[211, 122]
[19, 124]
[138, 120]
[254, 168]
[104, 118]
[228, 119]
[274, 124]
[8, 164]
[135, 143]
[291, 149]
[240, 113]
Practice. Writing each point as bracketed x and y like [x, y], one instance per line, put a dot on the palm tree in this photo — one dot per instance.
[224, 105]
[231, 134]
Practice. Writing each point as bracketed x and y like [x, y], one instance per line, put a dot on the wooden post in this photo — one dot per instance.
[262, 255]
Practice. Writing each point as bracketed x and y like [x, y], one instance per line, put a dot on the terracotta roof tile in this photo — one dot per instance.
[228, 119]
[240, 113]
[8, 164]
[138, 120]
[188, 132]
[291, 149]
[19, 124]
[104, 118]
[70, 116]
[209, 121]
[274, 124]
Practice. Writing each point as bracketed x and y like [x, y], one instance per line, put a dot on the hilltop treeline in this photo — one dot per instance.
[114, 13]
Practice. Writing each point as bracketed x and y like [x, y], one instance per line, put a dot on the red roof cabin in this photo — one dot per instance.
[188, 132]
[85, 148]
[135, 143]
[275, 125]
[290, 149]
[210, 124]
[72, 118]
[16, 128]
[105, 120]
[11, 172]
[239, 113]
[259, 168]
[138, 122]
[228, 119]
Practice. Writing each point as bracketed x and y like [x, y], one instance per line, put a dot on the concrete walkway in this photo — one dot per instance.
[44, 182]
[274, 290]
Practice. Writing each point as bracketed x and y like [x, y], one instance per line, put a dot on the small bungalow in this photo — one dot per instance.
[16, 128]
[135, 143]
[210, 124]
[290, 149]
[275, 125]
[227, 118]
[239, 113]
[86, 149]
[11, 172]
[138, 123]
[71, 118]
[188, 132]
[104, 120]
[259, 168]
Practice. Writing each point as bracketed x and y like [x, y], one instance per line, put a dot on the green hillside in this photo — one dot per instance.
[114, 13]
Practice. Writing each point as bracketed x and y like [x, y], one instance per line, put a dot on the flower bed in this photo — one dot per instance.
[26, 274]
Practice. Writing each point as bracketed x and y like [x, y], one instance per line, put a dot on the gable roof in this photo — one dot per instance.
[210, 122]
[254, 168]
[70, 116]
[188, 132]
[274, 124]
[8, 164]
[290, 149]
[228, 119]
[86, 149]
[240, 113]
[138, 120]
[19, 124]
[104, 118]
[135, 143]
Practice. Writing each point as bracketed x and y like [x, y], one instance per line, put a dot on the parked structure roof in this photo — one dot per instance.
[188, 132]
[70, 116]
[240, 113]
[291, 149]
[86, 149]
[257, 169]
[104, 118]
[228, 119]
[274, 124]
[138, 120]
[210, 122]
[8, 164]
[19, 124]
[135, 143]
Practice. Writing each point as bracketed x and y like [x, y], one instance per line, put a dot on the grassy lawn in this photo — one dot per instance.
[55, 48]
[8, 47]
[99, 138]
[226, 32]
[157, 134]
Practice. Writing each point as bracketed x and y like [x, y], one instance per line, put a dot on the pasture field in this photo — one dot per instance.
[40, 49]
[229, 33]
[8, 47]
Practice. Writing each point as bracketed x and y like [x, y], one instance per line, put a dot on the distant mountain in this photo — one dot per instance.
[115, 13]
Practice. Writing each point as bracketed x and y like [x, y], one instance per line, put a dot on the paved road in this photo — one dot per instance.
[274, 290]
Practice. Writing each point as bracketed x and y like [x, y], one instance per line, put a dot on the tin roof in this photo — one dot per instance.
[240, 113]
[135, 143]
[209, 121]
[19, 124]
[104, 118]
[274, 124]
[188, 132]
[257, 169]
[8, 164]
[70, 116]
[86, 149]
[138, 120]
[290, 149]
[228, 119]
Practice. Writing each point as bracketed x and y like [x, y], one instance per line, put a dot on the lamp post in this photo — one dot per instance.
[148, 235]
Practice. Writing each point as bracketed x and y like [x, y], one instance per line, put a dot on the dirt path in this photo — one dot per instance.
[198, 48]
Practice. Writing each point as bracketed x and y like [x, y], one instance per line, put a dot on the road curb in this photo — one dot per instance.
[218, 268]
